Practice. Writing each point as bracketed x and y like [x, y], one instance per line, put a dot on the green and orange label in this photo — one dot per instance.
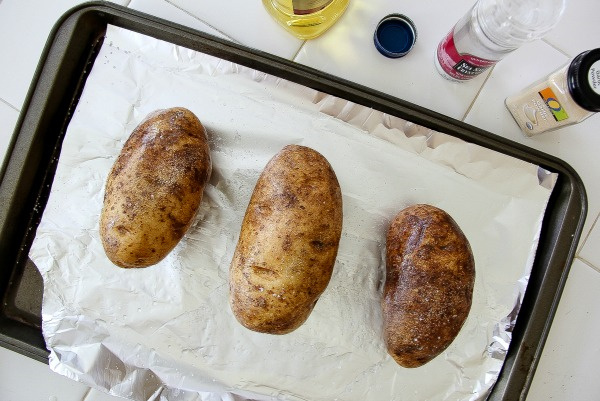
[553, 104]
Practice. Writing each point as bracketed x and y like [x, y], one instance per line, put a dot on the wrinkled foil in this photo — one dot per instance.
[167, 333]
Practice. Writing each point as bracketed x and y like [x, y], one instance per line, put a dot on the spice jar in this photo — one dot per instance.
[566, 97]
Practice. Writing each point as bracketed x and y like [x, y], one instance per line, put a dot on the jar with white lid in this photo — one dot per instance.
[566, 97]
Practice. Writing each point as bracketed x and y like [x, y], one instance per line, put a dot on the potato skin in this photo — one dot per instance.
[155, 187]
[429, 284]
[288, 242]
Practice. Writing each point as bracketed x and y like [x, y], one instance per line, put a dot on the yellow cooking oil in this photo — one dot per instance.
[306, 19]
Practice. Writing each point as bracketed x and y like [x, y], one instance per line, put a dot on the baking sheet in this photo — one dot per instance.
[166, 332]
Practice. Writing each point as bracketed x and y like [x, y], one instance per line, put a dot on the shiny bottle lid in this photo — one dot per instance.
[583, 79]
[395, 35]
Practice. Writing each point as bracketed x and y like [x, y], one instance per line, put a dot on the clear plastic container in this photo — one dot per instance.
[306, 19]
[491, 30]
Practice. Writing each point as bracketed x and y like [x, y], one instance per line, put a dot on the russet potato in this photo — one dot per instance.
[288, 242]
[154, 188]
[429, 284]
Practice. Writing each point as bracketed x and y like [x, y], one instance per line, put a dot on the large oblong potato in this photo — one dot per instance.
[288, 242]
[429, 284]
[155, 187]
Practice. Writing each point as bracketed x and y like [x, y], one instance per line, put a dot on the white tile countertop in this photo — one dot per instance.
[567, 367]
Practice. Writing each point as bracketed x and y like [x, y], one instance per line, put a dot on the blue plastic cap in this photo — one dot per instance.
[395, 35]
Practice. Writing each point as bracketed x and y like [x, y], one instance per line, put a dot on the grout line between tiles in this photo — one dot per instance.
[556, 48]
[201, 20]
[477, 94]
[7, 103]
[589, 264]
[85, 396]
[585, 236]
[298, 52]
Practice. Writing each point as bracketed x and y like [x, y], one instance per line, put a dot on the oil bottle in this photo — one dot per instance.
[306, 19]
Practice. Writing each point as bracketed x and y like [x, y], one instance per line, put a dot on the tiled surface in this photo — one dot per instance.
[566, 370]
[168, 11]
[246, 22]
[8, 119]
[22, 45]
[590, 252]
[577, 145]
[572, 343]
[23, 379]
[584, 15]
[347, 51]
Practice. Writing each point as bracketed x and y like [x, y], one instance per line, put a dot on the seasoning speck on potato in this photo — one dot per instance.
[429, 284]
[288, 242]
[155, 188]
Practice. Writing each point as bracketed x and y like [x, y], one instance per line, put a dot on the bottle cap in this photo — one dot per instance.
[583, 80]
[395, 35]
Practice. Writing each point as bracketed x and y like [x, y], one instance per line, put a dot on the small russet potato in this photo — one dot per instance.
[429, 284]
[288, 242]
[155, 187]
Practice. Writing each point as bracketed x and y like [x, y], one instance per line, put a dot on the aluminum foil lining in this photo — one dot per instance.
[167, 333]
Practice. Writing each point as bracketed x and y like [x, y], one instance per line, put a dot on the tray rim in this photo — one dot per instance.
[572, 197]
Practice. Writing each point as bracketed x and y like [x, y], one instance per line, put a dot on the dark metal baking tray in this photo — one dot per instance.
[27, 173]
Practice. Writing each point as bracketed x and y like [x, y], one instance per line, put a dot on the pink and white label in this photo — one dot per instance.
[461, 66]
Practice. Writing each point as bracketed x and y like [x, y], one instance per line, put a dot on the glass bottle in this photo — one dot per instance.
[491, 30]
[306, 19]
[565, 97]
